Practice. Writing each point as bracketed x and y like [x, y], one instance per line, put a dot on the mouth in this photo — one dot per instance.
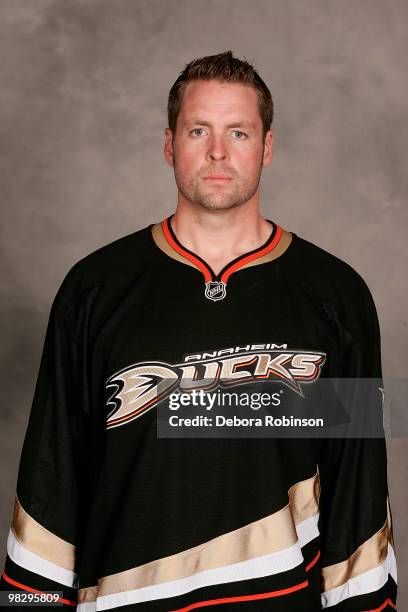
[217, 177]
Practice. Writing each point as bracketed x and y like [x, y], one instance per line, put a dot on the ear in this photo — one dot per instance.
[168, 146]
[268, 148]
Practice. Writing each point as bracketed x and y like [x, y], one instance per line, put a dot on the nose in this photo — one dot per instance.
[217, 148]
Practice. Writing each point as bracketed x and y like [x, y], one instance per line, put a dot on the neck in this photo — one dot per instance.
[219, 236]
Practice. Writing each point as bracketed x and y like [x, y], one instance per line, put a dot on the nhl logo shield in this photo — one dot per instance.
[215, 290]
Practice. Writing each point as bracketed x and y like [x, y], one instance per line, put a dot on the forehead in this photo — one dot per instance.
[214, 99]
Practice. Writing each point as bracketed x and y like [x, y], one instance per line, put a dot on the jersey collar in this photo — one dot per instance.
[215, 284]
[239, 262]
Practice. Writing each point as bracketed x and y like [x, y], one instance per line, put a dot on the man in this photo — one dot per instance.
[114, 516]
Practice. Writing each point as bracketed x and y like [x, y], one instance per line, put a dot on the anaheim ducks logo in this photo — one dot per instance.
[141, 386]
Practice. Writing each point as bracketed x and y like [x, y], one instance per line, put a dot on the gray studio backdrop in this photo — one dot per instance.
[84, 85]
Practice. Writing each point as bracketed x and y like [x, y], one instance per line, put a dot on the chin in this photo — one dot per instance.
[218, 205]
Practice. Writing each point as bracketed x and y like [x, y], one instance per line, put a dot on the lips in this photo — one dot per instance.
[218, 177]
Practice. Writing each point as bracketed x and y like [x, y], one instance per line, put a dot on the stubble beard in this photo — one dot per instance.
[198, 192]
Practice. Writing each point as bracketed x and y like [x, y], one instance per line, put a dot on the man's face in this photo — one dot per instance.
[219, 132]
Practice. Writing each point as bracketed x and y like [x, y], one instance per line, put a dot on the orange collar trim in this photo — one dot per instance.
[231, 267]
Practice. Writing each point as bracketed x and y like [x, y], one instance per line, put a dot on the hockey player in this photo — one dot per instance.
[108, 514]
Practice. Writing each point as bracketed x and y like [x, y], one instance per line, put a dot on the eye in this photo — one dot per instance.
[239, 132]
[196, 130]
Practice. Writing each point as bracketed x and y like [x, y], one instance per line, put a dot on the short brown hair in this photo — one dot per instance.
[221, 67]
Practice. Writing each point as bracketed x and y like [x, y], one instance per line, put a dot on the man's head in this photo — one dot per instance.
[220, 114]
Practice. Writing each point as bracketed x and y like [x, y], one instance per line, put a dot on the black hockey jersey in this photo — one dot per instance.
[114, 517]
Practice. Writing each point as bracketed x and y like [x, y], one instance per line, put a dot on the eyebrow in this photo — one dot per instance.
[245, 124]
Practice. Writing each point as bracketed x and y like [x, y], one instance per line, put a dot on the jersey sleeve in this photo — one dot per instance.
[358, 566]
[49, 508]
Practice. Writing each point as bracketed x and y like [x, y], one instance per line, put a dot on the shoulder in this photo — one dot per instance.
[122, 258]
[331, 277]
